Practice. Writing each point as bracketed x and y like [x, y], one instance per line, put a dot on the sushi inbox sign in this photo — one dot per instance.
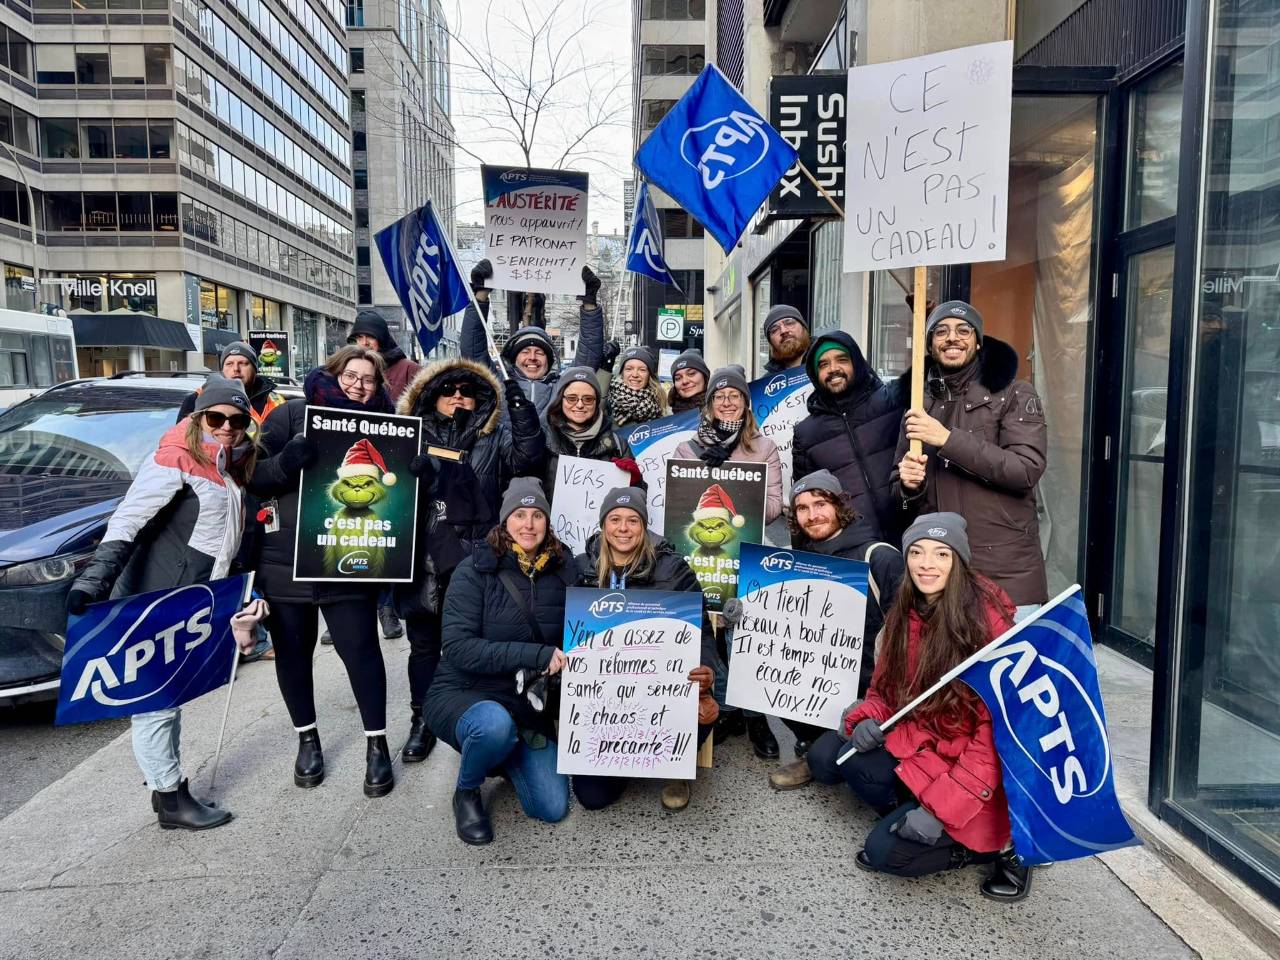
[535, 228]
[927, 166]
[627, 705]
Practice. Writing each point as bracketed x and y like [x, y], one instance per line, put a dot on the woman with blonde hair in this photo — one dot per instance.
[634, 393]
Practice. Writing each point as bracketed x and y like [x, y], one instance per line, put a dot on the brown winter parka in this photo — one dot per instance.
[988, 469]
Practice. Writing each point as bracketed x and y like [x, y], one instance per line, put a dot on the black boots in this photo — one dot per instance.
[421, 740]
[389, 621]
[308, 769]
[179, 810]
[731, 724]
[1009, 880]
[763, 741]
[378, 778]
[470, 817]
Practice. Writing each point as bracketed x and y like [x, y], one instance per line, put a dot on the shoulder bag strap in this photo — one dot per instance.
[509, 581]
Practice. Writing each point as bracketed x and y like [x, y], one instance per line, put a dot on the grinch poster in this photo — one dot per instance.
[272, 347]
[358, 507]
[710, 513]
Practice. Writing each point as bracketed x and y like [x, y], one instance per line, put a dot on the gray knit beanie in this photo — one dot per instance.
[644, 354]
[691, 359]
[958, 309]
[219, 389]
[823, 480]
[730, 376]
[946, 527]
[630, 498]
[238, 348]
[523, 492]
[782, 311]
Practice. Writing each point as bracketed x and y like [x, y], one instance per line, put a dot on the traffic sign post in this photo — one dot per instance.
[671, 325]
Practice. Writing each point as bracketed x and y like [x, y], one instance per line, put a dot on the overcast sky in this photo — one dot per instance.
[603, 52]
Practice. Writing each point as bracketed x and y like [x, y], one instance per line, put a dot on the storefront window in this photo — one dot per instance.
[828, 246]
[19, 288]
[761, 302]
[1155, 126]
[1226, 765]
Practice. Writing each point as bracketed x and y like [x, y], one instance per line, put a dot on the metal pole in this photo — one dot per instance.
[31, 209]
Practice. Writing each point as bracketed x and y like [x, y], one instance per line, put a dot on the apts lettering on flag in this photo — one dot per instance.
[150, 652]
[716, 156]
[421, 266]
[1040, 683]
[644, 249]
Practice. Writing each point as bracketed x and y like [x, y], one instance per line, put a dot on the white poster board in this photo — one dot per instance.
[581, 485]
[927, 160]
[535, 228]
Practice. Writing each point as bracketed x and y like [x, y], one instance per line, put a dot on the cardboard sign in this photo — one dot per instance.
[581, 485]
[272, 348]
[779, 402]
[627, 705]
[652, 445]
[927, 168]
[710, 513]
[358, 507]
[535, 227]
[797, 652]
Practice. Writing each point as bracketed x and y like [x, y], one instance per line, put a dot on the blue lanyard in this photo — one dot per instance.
[614, 583]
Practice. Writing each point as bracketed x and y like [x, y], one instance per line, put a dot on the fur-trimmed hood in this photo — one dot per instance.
[412, 401]
[996, 362]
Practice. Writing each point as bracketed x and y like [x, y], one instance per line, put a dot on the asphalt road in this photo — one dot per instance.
[34, 753]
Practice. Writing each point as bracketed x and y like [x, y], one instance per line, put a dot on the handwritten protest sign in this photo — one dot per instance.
[356, 518]
[627, 706]
[272, 347]
[927, 164]
[652, 445]
[580, 487]
[711, 512]
[535, 227]
[779, 402]
[797, 652]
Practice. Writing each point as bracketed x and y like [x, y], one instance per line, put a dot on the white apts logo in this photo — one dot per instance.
[775, 385]
[647, 247]
[778, 561]
[608, 605]
[735, 145]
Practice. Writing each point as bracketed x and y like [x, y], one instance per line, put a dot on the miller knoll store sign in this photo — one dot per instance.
[99, 286]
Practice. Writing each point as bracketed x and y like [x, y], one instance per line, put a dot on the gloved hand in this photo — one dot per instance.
[298, 453]
[480, 274]
[629, 466]
[867, 735]
[919, 826]
[704, 677]
[78, 599]
[715, 455]
[732, 611]
[591, 286]
[422, 467]
[845, 730]
[610, 354]
[516, 399]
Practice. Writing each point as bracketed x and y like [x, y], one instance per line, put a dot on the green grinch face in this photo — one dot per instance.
[711, 532]
[357, 491]
[269, 356]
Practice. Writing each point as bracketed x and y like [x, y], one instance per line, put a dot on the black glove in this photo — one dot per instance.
[591, 284]
[715, 456]
[78, 599]
[516, 400]
[867, 735]
[610, 354]
[301, 451]
[99, 575]
[422, 467]
[919, 826]
[480, 273]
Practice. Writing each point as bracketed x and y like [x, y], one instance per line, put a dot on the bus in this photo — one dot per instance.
[36, 351]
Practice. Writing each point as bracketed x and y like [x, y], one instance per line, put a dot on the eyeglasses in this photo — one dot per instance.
[727, 397]
[215, 420]
[464, 390]
[587, 401]
[961, 331]
[351, 379]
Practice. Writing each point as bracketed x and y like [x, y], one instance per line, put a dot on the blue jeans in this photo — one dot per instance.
[155, 746]
[490, 740]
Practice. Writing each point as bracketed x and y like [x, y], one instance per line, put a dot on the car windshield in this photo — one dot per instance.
[94, 431]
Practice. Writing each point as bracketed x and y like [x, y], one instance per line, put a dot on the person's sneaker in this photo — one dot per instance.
[392, 628]
[675, 795]
[792, 776]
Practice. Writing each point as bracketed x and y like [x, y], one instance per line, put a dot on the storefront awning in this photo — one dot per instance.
[215, 340]
[128, 328]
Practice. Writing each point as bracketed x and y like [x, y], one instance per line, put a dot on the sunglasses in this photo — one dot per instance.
[465, 390]
[215, 420]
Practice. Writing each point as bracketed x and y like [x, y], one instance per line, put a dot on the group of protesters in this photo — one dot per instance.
[949, 535]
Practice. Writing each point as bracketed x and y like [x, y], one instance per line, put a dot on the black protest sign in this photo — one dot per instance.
[272, 348]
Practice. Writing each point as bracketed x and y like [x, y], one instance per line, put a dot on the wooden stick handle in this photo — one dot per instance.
[917, 346]
[821, 189]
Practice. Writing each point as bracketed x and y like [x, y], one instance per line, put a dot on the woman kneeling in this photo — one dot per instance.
[935, 776]
[503, 615]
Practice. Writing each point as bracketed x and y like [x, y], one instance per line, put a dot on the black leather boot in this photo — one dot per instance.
[378, 778]
[308, 769]
[731, 724]
[763, 741]
[179, 810]
[1009, 880]
[470, 817]
[421, 740]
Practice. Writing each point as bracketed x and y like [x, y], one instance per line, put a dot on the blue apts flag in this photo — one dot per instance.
[150, 652]
[1040, 683]
[716, 156]
[421, 266]
[644, 248]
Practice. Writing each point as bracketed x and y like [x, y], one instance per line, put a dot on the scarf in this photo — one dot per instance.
[530, 565]
[322, 389]
[627, 406]
[718, 439]
[580, 435]
[679, 404]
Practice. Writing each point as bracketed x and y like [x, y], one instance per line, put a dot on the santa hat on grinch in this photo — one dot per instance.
[268, 345]
[715, 502]
[364, 460]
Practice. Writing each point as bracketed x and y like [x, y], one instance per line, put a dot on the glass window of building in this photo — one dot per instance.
[56, 64]
[64, 211]
[131, 139]
[100, 212]
[98, 140]
[19, 288]
[357, 60]
[160, 139]
[157, 64]
[127, 64]
[93, 64]
[59, 138]
[1155, 126]
[135, 211]
[164, 211]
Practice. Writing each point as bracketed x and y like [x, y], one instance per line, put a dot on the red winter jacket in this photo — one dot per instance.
[954, 774]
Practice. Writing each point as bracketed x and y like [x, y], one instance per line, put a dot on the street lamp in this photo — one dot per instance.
[31, 210]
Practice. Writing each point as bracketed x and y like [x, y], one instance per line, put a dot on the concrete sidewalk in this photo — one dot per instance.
[743, 872]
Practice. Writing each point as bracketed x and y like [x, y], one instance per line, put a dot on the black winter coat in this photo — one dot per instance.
[605, 445]
[670, 572]
[854, 436]
[488, 637]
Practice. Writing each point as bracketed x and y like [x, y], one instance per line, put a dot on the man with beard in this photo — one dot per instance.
[788, 337]
[984, 449]
[371, 332]
[852, 430]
